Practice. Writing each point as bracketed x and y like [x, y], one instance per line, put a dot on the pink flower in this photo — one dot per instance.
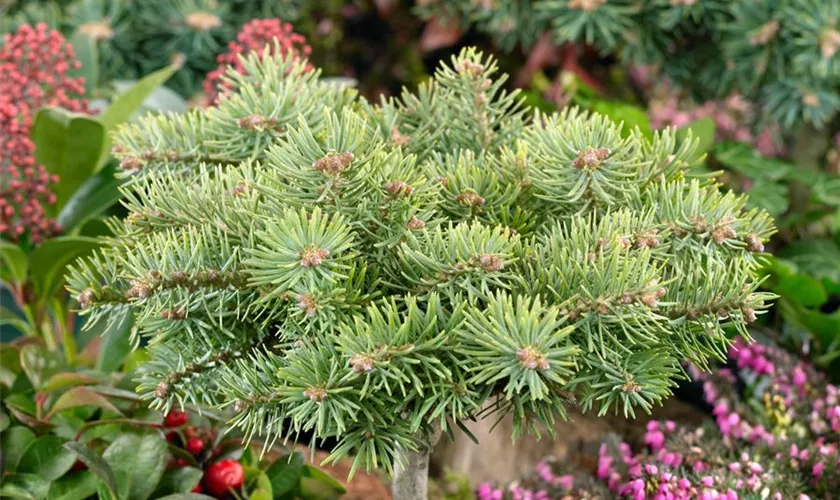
[255, 36]
[818, 469]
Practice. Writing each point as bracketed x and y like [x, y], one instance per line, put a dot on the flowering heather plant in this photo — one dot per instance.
[775, 434]
[734, 117]
[35, 67]
[254, 37]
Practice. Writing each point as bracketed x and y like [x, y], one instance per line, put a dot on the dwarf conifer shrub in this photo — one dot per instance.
[782, 54]
[378, 273]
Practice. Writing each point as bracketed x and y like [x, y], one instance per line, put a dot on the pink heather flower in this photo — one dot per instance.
[34, 67]
[254, 37]
[817, 470]
[799, 376]
[566, 482]
[655, 440]
[707, 481]
[487, 492]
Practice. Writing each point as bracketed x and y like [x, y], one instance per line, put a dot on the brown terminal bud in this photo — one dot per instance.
[415, 223]
[362, 363]
[490, 262]
[316, 394]
[531, 359]
[398, 188]
[162, 390]
[312, 256]
[590, 158]
[333, 164]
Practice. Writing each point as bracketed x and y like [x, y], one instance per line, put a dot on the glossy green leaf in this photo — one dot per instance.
[9, 364]
[771, 196]
[28, 486]
[746, 160]
[703, 131]
[115, 344]
[86, 52]
[631, 116]
[16, 441]
[818, 257]
[94, 197]
[95, 463]
[317, 484]
[81, 396]
[125, 104]
[802, 289]
[68, 145]
[64, 380]
[74, 486]
[161, 99]
[138, 462]
[48, 458]
[14, 260]
[39, 364]
[285, 473]
[49, 261]
[180, 480]
[13, 319]
[186, 496]
[4, 421]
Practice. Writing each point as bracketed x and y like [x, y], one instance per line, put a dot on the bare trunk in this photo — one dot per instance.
[411, 477]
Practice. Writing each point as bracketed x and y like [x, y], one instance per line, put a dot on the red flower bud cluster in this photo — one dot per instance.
[254, 36]
[34, 67]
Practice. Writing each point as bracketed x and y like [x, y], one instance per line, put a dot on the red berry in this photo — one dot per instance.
[223, 476]
[173, 437]
[194, 445]
[79, 466]
[175, 419]
[197, 488]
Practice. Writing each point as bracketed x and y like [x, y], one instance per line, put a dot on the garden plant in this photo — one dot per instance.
[324, 266]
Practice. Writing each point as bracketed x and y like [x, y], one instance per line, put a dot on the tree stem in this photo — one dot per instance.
[411, 477]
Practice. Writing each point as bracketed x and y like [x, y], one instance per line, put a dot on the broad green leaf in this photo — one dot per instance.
[818, 257]
[828, 190]
[68, 379]
[186, 496]
[129, 101]
[28, 486]
[317, 484]
[802, 289]
[116, 344]
[619, 112]
[4, 421]
[39, 364]
[824, 326]
[15, 440]
[161, 99]
[285, 473]
[14, 260]
[11, 318]
[49, 261]
[180, 480]
[746, 160]
[48, 458]
[138, 462]
[772, 196]
[21, 401]
[9, 364]
[703, 131]
[87, 54]
[95, 463]
[68, 145]
[74, 486]
[94, 197]
[81, 396]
